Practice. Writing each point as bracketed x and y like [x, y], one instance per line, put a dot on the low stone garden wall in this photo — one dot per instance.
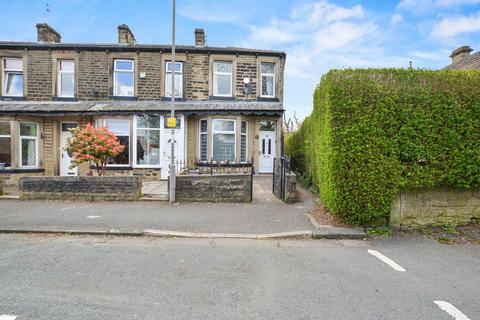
[214, 188]
[423, 207]
[89, 188]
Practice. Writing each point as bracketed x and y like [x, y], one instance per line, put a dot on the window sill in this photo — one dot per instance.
[221, 98]
[72, 99]
[12, 98]
[114, 168]
[268, 99]
[170, 99]
[23, 170]
[123, 98]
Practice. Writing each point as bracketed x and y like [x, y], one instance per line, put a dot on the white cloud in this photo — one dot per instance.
[452, 26]
[424, 5]
[396, 18]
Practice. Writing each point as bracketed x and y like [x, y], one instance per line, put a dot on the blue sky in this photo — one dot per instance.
[317, 35]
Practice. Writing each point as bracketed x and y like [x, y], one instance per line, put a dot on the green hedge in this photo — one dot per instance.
[374, 131]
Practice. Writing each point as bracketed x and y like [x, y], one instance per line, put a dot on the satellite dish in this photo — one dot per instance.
[246, 80]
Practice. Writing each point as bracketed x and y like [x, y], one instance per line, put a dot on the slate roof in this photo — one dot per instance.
[55, 108]
[471, 62]
[135, 47]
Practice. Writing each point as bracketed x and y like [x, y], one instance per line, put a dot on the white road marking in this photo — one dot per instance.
[88, 217]
[451, 310]
[63, 209]
[388, 261]
[7, 317]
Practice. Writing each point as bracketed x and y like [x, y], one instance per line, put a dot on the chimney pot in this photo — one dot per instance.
[45, 33]
[199, 37]
[125, 35]
[460, 53]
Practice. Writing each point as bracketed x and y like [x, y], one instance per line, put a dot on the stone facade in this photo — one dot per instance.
[419, 208]
[290, 188]
[214, 188]
[81, 188]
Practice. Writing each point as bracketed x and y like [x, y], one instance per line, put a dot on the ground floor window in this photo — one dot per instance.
[223, 140]
[243, 141]
[203, 140]
[121, 129]
[148, 140]
[5, 145]
[28, 144]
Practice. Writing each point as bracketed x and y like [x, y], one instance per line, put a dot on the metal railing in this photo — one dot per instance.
[214, 167]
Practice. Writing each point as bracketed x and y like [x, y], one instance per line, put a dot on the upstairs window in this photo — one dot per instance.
[13, 77]
[178, 79]
[268, 80]
[123, 78]
[5, 145]
[66, 78]
[222, 79]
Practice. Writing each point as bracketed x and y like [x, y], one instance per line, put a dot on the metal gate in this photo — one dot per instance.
[281, 166]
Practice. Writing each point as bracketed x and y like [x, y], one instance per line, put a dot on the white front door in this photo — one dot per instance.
[267, 151]
[65, 157]
[166, 147]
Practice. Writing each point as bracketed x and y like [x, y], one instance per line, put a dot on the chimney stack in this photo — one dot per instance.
[199, 37]
[125, 35]
[45, 33]
[460, 53]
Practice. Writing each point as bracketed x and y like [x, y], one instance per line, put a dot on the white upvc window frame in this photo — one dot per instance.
[12, 71]
[129, 120]
[60, 72]
[246, 140]
[134, 155]
[10, 137]
[36, 138]
[200, 134]
[215, 82]
[234, 133]
[272, 75]
[115, 72]
[168, 77]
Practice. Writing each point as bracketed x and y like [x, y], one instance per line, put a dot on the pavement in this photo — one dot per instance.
[58, 277]
[265, 217]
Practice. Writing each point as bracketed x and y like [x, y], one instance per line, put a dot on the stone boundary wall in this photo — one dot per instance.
[81, 188]
[418, 208]
[214, 188]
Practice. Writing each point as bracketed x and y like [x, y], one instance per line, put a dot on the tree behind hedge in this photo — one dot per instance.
[373, 132]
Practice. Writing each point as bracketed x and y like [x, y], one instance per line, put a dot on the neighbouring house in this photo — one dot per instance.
[462, 59]
[228, 103]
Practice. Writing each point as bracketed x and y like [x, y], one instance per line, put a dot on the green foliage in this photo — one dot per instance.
[449, 228]
[374, 131]
[380, 231]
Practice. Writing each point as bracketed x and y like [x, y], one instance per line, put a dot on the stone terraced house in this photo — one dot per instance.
[49, 87]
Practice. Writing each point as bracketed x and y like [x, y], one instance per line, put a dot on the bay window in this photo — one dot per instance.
[203, 140]
[5, 145]
[178, 79]
[223, 140]
[28, 144]
[66, 78]
[13, 77]
[121, 129]
[222, 79]
[243, 141]
[148, 140]
[268, 80]
[123, 78]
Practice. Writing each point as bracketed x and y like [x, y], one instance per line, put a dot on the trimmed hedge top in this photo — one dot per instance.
[374, 131]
